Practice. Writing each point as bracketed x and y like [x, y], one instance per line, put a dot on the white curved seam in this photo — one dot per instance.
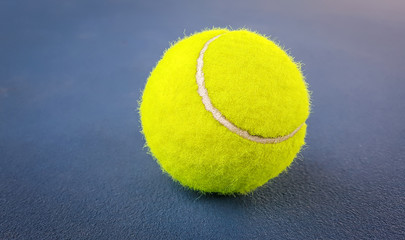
[202, 91]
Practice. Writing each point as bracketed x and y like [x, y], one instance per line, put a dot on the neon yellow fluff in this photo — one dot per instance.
[254, 85]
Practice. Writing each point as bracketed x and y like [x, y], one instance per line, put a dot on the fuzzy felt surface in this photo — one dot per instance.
[253, 82]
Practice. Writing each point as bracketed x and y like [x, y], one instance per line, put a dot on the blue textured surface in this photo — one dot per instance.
[72, 164]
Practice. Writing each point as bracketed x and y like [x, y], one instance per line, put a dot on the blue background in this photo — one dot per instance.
[72, 163]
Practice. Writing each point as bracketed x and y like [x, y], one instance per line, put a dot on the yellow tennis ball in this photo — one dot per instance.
[224, 111]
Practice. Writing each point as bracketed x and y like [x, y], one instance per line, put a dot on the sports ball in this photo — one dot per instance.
[224, 111]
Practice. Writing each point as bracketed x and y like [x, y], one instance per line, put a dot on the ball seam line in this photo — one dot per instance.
[203, 92]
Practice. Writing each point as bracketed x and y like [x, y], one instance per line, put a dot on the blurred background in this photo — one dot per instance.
[72, 162]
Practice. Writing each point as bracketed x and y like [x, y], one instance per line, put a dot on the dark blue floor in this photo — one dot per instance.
[72, 163]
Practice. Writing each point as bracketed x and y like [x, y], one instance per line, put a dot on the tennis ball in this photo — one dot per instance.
[224, 111]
